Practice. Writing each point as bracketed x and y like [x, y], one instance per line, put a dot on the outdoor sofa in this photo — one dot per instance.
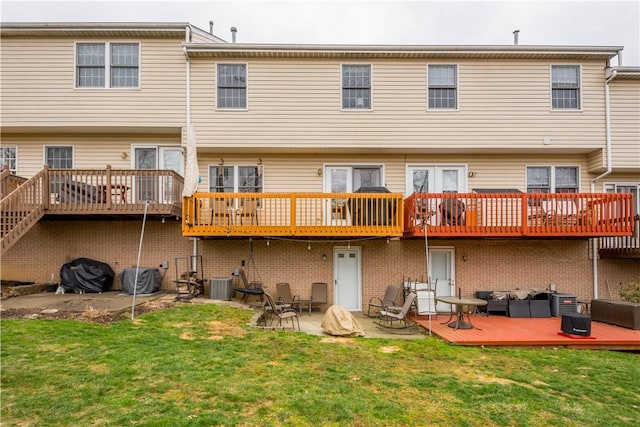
[619, 313]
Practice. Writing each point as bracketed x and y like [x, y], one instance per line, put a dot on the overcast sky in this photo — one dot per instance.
[560, 22]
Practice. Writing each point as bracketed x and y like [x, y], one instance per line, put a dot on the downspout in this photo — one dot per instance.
[607, 118]
[194, 261]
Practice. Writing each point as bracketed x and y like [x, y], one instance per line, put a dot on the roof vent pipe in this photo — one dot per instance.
[210, 27]
[515, 36]
[234, 30]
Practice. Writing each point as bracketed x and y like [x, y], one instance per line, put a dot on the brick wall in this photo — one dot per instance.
[479, 264]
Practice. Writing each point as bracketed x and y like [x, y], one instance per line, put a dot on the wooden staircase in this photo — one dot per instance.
[22, 208]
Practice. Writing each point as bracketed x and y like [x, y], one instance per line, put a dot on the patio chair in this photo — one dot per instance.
[273, 310]
[387, 301]
[248, 209]
[319, 295]
[398, 321]
[284, 296]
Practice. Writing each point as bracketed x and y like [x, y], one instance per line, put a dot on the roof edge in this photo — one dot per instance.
[336, 50]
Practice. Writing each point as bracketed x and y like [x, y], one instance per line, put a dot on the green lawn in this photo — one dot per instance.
[202, 365]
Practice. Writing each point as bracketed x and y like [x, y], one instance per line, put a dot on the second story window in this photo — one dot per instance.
[8, 159]
[549, 179]
[442, 87]
[120, 68]
[356, 87]
[565, 87]
[232, 86]
[58, 157]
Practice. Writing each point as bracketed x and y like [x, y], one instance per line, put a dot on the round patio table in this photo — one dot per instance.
[461, 303]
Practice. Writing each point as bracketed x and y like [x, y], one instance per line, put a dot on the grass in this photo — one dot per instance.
[201, 365]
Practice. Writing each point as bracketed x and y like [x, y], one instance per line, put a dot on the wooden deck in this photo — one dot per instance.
[501, 331]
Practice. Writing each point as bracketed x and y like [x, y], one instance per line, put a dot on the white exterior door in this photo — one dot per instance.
[442, 274]
[149, 188]
[338, 179]
[435, 179]
[171, 158]
[347, 278]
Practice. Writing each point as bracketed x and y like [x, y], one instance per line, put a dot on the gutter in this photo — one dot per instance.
[607, 118]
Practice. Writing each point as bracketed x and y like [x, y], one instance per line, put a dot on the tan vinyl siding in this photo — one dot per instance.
[503, 105]
[39, 74]
[89, 152]
[299, 172]
[625, 124]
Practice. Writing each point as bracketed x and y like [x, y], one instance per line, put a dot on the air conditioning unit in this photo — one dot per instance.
[221, 288]
[563, 304]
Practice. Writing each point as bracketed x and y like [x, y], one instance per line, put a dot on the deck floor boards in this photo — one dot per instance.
[530, 332]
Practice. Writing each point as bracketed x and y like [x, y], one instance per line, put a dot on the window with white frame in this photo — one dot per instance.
[232, 86]
[443, 87]
[356, 87]
[565, 87]
[235, 179]
[552, 179]
[58, 157]
[97, 69]
[8, 159]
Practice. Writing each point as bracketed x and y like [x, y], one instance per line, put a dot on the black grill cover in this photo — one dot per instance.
[87, 275]
[372, 211]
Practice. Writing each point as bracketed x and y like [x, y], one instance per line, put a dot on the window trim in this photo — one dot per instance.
[457, 88]
[15, 158]
[370, 65]
[551, 108]
[246, 89]
[552, 184]
[107, 65]
[73, 154]
[352, 165]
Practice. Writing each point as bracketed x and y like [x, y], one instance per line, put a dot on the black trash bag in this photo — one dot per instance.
[86, 275]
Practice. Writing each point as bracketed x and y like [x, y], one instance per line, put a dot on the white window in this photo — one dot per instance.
[443, 90]
[565, 87]
[235, 179]
[8, 159]
[119, 69]
[356, 87]
[58, 157]
[552, 179]
[232, 86]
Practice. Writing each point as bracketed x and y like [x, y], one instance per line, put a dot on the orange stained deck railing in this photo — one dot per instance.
[293, 214]
[518, 214]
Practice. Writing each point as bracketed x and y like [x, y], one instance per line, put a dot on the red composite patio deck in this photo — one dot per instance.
[498, 331]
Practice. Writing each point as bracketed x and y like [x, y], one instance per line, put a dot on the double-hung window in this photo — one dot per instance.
[107, 65]
[565, 87]
[552, 179]
[443, 87]
[356, 87]
[8, 159]
[232, 86]
[58, 156]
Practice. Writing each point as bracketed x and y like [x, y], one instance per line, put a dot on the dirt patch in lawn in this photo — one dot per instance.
[94, 315]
